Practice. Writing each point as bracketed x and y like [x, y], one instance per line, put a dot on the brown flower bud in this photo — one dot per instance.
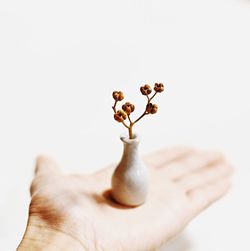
[159, 87]
[120, 116]
[151, 108]
[146, 90]
[118, 95]
[128, 108]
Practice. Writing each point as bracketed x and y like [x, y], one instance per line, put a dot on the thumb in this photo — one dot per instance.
[46, 166]
[45, 170]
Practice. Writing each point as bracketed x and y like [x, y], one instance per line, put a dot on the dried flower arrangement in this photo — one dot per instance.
[127, 108]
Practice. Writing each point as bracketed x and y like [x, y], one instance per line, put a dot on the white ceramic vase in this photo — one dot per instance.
[130, 179]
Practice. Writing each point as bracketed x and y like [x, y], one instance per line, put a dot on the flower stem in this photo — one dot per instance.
[130, 119]
[145, 112]
[125, 125]
[152, 97]
[130, 127]
[130, 132]
[140, 117]
[114, 107]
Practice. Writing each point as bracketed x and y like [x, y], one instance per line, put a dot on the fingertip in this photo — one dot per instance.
[216, 154]
[203, 197]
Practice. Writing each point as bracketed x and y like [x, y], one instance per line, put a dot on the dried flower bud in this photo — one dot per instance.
[151, 108]
[128, 108]
[159, 87]
[118, 95]
[146, 90]
[120, 116]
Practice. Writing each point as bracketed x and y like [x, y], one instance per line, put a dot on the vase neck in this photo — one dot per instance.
[130, 158]
[130, 146]
[130, 151]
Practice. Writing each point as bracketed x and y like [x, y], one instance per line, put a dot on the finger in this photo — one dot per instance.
[203, 197]
[205, 176]
[165, 156]
[46, 166]
[190, 163]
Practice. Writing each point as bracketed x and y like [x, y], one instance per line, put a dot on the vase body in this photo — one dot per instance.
[130, 179]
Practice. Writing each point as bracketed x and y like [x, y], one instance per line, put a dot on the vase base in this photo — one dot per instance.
[128, 202]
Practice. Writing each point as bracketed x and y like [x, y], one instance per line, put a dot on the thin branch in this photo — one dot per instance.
[130, 132]
[114, 107]
[130, 120]
[140, 117]
[125, 124]
[145, 112]
[152, 97]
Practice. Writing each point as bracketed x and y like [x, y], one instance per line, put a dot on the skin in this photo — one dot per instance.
[76, 212]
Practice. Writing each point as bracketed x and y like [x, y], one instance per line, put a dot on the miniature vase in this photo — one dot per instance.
[130, 179]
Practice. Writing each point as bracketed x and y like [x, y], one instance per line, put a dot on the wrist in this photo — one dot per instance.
[40, 237]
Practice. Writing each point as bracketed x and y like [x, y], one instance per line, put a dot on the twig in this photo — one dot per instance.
[145, 112]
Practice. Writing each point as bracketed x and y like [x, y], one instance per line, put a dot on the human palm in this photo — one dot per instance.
[183, 182]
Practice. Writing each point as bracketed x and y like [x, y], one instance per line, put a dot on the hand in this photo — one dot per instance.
[76, 212]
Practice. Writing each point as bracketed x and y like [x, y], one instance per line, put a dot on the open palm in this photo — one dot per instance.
[183, 182]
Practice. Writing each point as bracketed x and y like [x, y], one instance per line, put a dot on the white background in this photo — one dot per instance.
[59, 63]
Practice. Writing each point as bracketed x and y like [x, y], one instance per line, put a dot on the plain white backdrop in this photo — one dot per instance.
[60, 62]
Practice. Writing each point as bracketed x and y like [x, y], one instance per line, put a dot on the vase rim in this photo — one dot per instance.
[124, 138]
